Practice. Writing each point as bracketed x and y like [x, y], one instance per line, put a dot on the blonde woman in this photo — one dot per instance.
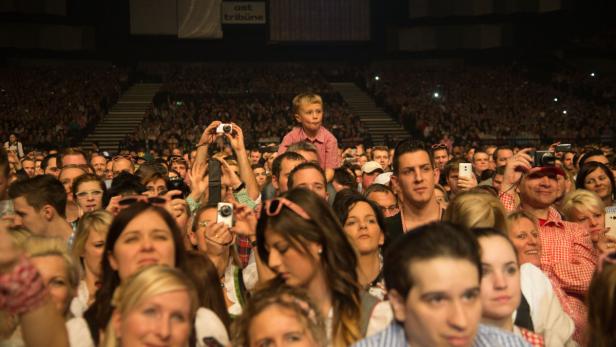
[588, 209]
[155, 306]
[88, 249]
[475, 209]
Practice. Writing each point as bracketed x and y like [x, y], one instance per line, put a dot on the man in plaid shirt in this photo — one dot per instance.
[568, 256]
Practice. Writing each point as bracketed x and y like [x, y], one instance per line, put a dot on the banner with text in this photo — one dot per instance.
[243, 12]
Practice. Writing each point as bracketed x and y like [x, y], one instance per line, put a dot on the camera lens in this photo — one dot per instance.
[226, 128]
[225, 211]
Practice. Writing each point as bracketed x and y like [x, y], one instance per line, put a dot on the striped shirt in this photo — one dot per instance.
[393, 336]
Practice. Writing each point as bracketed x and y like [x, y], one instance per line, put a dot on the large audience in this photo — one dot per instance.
[238, 214]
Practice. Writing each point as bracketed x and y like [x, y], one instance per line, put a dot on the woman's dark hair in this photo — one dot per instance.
[589, 168]
[99, 313]
[601, 299]
[338, 259]
[203, 273]
[346, 199]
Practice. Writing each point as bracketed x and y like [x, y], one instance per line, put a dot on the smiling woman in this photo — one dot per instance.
[153, 307]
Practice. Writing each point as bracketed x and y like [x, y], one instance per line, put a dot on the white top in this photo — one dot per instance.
[250, 276]
[79, 304]
[547, 314]
[207, 324]
[79, 333]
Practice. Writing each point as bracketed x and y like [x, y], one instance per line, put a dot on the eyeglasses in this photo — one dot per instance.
[392, 208]
[130, 200]
[91, 193]
[274, 206]
[606, 258]
[439, 146]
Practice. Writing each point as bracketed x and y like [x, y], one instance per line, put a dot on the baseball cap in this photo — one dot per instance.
[370, 167]
[383, 178]
[545, 170]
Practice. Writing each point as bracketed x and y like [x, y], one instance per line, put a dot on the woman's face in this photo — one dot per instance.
[55, 276]
[155, 187]
[296, 268]
[363, 229]
[500, 284]
[89, 196]
[593, 220]
[93, 252]
[162, 320]
[525, 236]
[598, 182]
[288, 330]
[146, 240]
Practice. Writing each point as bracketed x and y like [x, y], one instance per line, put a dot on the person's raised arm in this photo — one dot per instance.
[207, 138]
[236, 138]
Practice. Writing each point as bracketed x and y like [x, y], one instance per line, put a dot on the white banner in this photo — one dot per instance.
[244, 12]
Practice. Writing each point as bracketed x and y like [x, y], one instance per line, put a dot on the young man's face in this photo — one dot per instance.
[280, 183]
[440, 158]
[568, 161]
[52, 167]
[416, 177]
[255, 156]
[310, 116]
[29, 217]
[502, 156]
[381, 157]
[481, 162]
[28, 166]
[443, 307]
[311, 179]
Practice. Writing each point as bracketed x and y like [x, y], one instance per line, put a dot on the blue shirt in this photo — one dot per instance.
[487, 336]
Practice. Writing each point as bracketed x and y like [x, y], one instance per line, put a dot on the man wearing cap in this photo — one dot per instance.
[369, 172]
[568, 256]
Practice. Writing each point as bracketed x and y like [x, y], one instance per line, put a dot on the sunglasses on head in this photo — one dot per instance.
[133, 199]
[274, 206]
[439, 146]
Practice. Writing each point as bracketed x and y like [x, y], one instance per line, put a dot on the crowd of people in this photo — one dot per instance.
[479, 104]
[47, 107]
[255, 97]
[211, 242]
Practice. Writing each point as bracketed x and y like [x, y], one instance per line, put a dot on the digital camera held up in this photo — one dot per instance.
[224, 128]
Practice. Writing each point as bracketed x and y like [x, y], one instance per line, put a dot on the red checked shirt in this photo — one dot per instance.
[326, 144]
[569, 260]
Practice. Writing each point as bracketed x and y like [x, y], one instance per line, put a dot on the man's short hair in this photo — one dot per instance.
[427, 242]
[345, 178]
[40, 191]
[409, 146]
[45, 162]
[377, 188]
[306, 98]
[276, 165]
[586, 155]
[303, 146]
[452, 165]
[500, 148]
[304, 166]
[71, 151]
[380, 148]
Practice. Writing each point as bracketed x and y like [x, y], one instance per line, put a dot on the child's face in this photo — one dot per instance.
[310, 116]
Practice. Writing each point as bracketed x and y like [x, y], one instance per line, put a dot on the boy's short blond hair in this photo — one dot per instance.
[306, 98]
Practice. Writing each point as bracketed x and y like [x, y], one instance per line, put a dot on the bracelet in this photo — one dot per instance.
[239, 188]
[22, 290]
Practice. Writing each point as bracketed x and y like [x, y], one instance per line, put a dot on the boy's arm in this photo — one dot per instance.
[286, 142]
